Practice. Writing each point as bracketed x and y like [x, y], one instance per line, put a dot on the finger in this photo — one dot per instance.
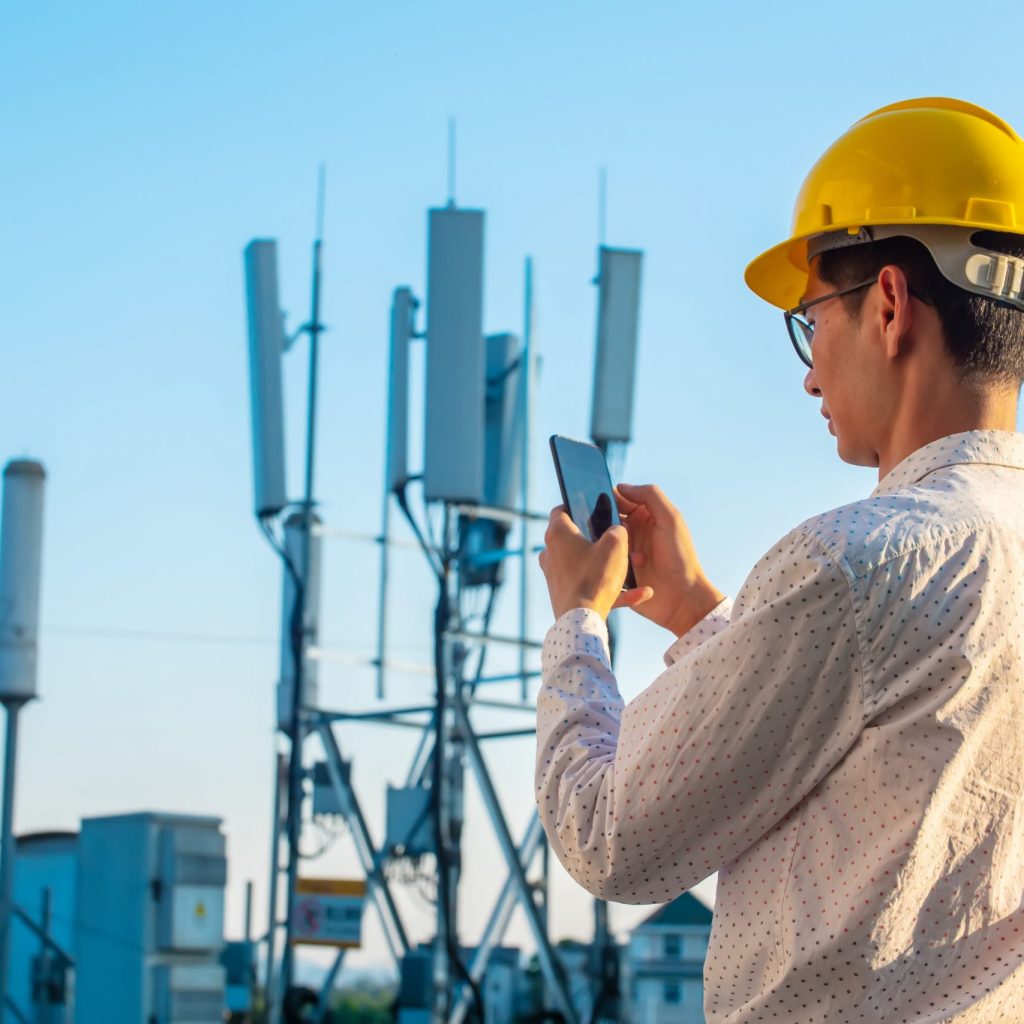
[637, 519]
[638, 559]
[560, 526]
[625, 505]
[615, 536]
[633, 598]
[559, 521]
[650, 495]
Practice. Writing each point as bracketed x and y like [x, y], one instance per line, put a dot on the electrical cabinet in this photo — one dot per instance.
[193, 872]
[410, 826]
[149, 920]
[187, 994]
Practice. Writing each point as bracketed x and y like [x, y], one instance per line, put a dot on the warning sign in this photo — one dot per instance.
[328, 911]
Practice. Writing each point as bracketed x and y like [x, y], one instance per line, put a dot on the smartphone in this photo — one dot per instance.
[586, 487]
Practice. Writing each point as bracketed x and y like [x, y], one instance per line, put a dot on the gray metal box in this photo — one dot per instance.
[193, 873]
[325, 800]
[146, 901]
[618, 317]
[409, 822]
[453, 460]
[187, 994]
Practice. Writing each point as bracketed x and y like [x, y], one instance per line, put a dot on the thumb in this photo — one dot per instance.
[615, 536]
[633, 598]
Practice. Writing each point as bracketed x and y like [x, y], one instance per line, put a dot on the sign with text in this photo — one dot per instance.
[328, 911]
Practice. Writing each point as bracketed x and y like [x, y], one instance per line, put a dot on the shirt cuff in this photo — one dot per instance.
[577, 631]
[714, 622]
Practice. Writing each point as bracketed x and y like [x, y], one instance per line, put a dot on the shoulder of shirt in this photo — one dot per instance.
[864, 535]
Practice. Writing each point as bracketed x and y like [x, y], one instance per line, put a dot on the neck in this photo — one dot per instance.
[944, 410]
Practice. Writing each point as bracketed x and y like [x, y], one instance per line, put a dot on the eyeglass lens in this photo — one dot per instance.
[801, 333]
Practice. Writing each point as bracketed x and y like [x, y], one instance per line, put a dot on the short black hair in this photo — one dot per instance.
[985, 337]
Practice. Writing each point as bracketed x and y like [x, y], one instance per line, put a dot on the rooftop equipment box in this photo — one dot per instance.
[150, 920]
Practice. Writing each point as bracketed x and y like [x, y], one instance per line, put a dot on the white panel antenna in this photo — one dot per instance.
[504, 421]
[618, 316]
[293, 531]
[453, 461]
[403, 311]
[21, 549]
[266, 344]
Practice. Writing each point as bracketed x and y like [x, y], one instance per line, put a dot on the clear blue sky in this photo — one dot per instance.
[146, 144]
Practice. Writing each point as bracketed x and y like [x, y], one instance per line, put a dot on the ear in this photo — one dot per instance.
[895, 313]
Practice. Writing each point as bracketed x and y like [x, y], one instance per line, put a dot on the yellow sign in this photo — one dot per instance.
[328, 911]
[331, 886]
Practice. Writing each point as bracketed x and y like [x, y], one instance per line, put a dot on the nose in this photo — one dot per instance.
[811, 385]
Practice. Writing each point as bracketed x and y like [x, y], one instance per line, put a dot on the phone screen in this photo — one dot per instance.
[586, 488]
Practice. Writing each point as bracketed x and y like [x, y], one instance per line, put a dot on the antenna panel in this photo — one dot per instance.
[504, 421]
[403, 309]
[21, 552]
[453, 460]
[618, 315]
[266, 344]
[311, 675]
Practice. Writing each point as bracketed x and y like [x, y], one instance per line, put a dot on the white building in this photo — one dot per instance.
[663, 965]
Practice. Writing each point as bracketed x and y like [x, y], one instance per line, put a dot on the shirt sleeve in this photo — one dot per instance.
[641, 801]
[714, 622]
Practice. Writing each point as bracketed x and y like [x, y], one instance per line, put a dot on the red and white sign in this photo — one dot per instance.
[328, 911]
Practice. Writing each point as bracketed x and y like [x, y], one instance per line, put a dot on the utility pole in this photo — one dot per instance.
[21, 543]
[267, 345]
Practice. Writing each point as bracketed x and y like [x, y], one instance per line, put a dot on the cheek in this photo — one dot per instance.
[833, 355]
[824, 364]
[834, 376]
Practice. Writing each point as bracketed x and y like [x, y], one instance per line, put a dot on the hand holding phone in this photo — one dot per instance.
[586, 488]
[666, 559]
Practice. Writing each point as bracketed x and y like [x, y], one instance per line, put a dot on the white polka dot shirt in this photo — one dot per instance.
[844, 744]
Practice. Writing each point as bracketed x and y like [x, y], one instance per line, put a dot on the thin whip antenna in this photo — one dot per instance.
[602, 204]
[451, 161]
[321, 188]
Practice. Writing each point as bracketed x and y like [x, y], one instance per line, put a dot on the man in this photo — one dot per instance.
[844, 744]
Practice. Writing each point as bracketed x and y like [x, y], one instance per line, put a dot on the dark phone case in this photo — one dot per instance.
[630, 578]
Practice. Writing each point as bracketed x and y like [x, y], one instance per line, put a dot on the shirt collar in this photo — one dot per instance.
[991, 447]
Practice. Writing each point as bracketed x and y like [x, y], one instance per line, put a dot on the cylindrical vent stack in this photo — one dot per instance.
[293, 531]
[21, 553]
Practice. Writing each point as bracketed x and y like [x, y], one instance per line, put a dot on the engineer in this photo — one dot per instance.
[844, 742]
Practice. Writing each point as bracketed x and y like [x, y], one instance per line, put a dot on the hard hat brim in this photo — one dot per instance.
[779, 275]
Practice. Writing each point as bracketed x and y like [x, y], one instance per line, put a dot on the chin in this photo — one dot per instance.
[855, 455]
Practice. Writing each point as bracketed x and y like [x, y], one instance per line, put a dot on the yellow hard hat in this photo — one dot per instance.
[910, 165]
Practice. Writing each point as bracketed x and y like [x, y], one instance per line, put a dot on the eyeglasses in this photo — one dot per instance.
[801, 330]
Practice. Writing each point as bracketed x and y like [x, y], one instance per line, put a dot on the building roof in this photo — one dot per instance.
[39, 842]
[685, 909]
